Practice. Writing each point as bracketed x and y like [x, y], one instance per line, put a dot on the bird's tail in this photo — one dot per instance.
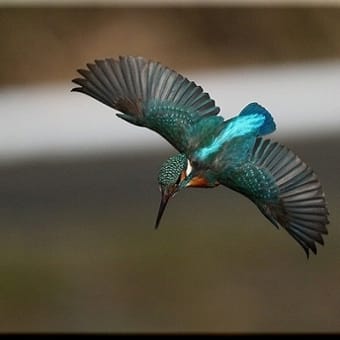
[301, 208]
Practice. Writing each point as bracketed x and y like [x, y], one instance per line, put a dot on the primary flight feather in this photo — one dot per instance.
[212, 150]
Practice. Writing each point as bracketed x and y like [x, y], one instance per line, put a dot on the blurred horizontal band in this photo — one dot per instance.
[49, 120]
[72, 3]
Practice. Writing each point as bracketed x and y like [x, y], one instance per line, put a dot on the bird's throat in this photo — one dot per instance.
[201, 182]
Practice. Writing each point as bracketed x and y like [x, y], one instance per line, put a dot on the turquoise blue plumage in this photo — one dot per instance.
[212, 151]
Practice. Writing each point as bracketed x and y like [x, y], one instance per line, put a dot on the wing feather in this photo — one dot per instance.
[286, 190]
[149, 94]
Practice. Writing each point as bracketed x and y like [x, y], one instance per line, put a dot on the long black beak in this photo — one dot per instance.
[164, 201]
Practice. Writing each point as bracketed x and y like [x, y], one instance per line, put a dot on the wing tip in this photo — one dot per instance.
[78, 81]
[76, 89]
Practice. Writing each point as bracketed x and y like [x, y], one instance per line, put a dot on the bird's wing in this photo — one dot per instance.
[149, 94]
[285, 189]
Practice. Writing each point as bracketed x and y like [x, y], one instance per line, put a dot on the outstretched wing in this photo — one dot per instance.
[148, 94]
[285, 189]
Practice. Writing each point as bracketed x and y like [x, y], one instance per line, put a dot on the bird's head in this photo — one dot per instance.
[173, 176]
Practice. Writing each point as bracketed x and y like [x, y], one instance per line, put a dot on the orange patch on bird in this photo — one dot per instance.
[198, 181]
[183, 176]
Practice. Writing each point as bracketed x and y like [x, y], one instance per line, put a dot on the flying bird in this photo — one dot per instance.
[211, 150]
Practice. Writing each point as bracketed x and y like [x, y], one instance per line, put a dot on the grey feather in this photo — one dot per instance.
[146, 92]
[300, 206]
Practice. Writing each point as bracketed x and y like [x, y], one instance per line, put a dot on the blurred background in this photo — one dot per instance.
[79, 195]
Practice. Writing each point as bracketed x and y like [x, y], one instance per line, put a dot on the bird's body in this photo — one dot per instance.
[212, 150]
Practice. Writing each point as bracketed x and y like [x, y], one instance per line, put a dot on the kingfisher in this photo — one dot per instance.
[212, 151]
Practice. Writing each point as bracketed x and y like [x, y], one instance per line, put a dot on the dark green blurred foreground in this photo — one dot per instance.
[79, 252]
